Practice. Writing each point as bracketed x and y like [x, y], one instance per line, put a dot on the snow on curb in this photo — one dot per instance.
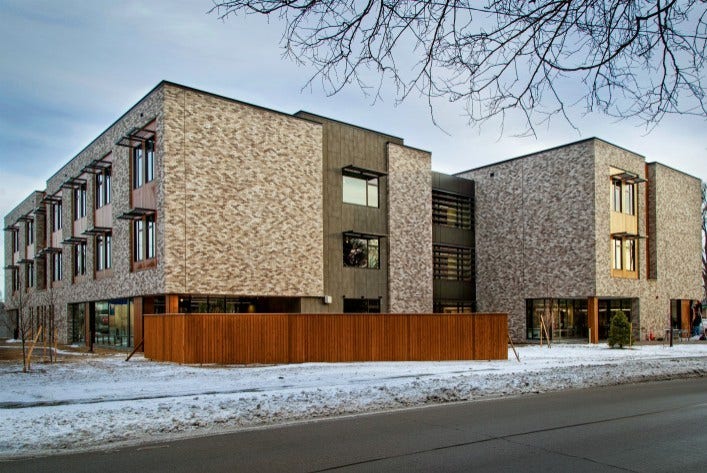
[105, 402]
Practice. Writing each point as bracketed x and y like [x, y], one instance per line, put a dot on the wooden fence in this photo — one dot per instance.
[300, 338]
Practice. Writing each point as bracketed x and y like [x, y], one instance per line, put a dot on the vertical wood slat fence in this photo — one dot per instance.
[301, 338]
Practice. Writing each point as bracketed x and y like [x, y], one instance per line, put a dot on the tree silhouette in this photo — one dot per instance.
[625, 58]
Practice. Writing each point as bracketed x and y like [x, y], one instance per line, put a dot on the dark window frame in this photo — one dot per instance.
[143, 163]
[79, 201]
[357, 251]
[371, 183]
[103, 187]
[144, 239]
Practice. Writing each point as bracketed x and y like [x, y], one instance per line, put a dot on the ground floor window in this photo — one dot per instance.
[358, 306]
[567, 318]
[77, 323]
[114, 322]
[563, 318]
[608, 308]
[453, 307]
[197, 304]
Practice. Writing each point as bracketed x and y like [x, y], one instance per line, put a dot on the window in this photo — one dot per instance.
[361, 252]
[623, 197]
[628, 202]
[616, 191]
[624, 254]
[370, 306]
[56, 216]
[451, 210]
[104, 259]
[630, 255]
[56, 266]
[15, 279]
[79, 201]
[452, 263]
[360, 189]
[143, 163]
[103, 188]
[30, 232]
[80, 259]
[618, 253]
[30, 274]
[144, 238]
[15, 241]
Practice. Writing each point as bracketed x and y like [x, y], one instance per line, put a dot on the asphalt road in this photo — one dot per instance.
[652, 427]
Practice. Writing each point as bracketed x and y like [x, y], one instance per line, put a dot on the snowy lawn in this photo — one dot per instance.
[88, 401]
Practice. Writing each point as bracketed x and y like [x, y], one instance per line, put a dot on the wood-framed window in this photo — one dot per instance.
[80, 201]
[103, 187]
[361, 251]
[30, 232]
[104, 256]
[56, 216]
[30, 274]
[624, 254]
[360, 187]
[56, 266]
[80, 259]
[144, 239]
[143, 162]
[15, 240]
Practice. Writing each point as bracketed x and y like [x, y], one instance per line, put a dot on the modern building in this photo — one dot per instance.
[575, 233]
[192, 202]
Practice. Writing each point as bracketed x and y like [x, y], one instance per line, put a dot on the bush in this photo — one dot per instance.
[619, 330]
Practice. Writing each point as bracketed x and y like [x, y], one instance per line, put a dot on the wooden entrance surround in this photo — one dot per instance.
[300, 338]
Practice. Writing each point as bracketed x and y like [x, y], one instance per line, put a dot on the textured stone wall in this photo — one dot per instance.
[669, 219]
[534, 230]
[410, 230]
[243, 198]
[123, 282]
[678, 238]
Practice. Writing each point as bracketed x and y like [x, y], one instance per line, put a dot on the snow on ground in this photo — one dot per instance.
[89, 401]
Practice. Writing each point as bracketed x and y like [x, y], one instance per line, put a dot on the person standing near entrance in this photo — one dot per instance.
[697, 320]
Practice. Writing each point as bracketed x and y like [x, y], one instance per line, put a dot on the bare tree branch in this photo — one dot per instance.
[625, 58]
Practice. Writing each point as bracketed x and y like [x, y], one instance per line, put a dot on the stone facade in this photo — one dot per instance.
[243, 205]
[247, 202]
[533, 217]
[543, 231]
[410, 230]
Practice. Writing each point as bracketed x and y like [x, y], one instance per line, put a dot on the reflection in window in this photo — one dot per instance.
[360, 190]
[361, 252]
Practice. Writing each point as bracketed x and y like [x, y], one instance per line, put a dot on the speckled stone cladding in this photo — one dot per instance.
[543, 231]
[122, 281]
[410, 227]
[243, 199]
[534, 227]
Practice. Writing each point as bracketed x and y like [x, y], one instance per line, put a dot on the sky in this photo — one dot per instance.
[69, 69]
